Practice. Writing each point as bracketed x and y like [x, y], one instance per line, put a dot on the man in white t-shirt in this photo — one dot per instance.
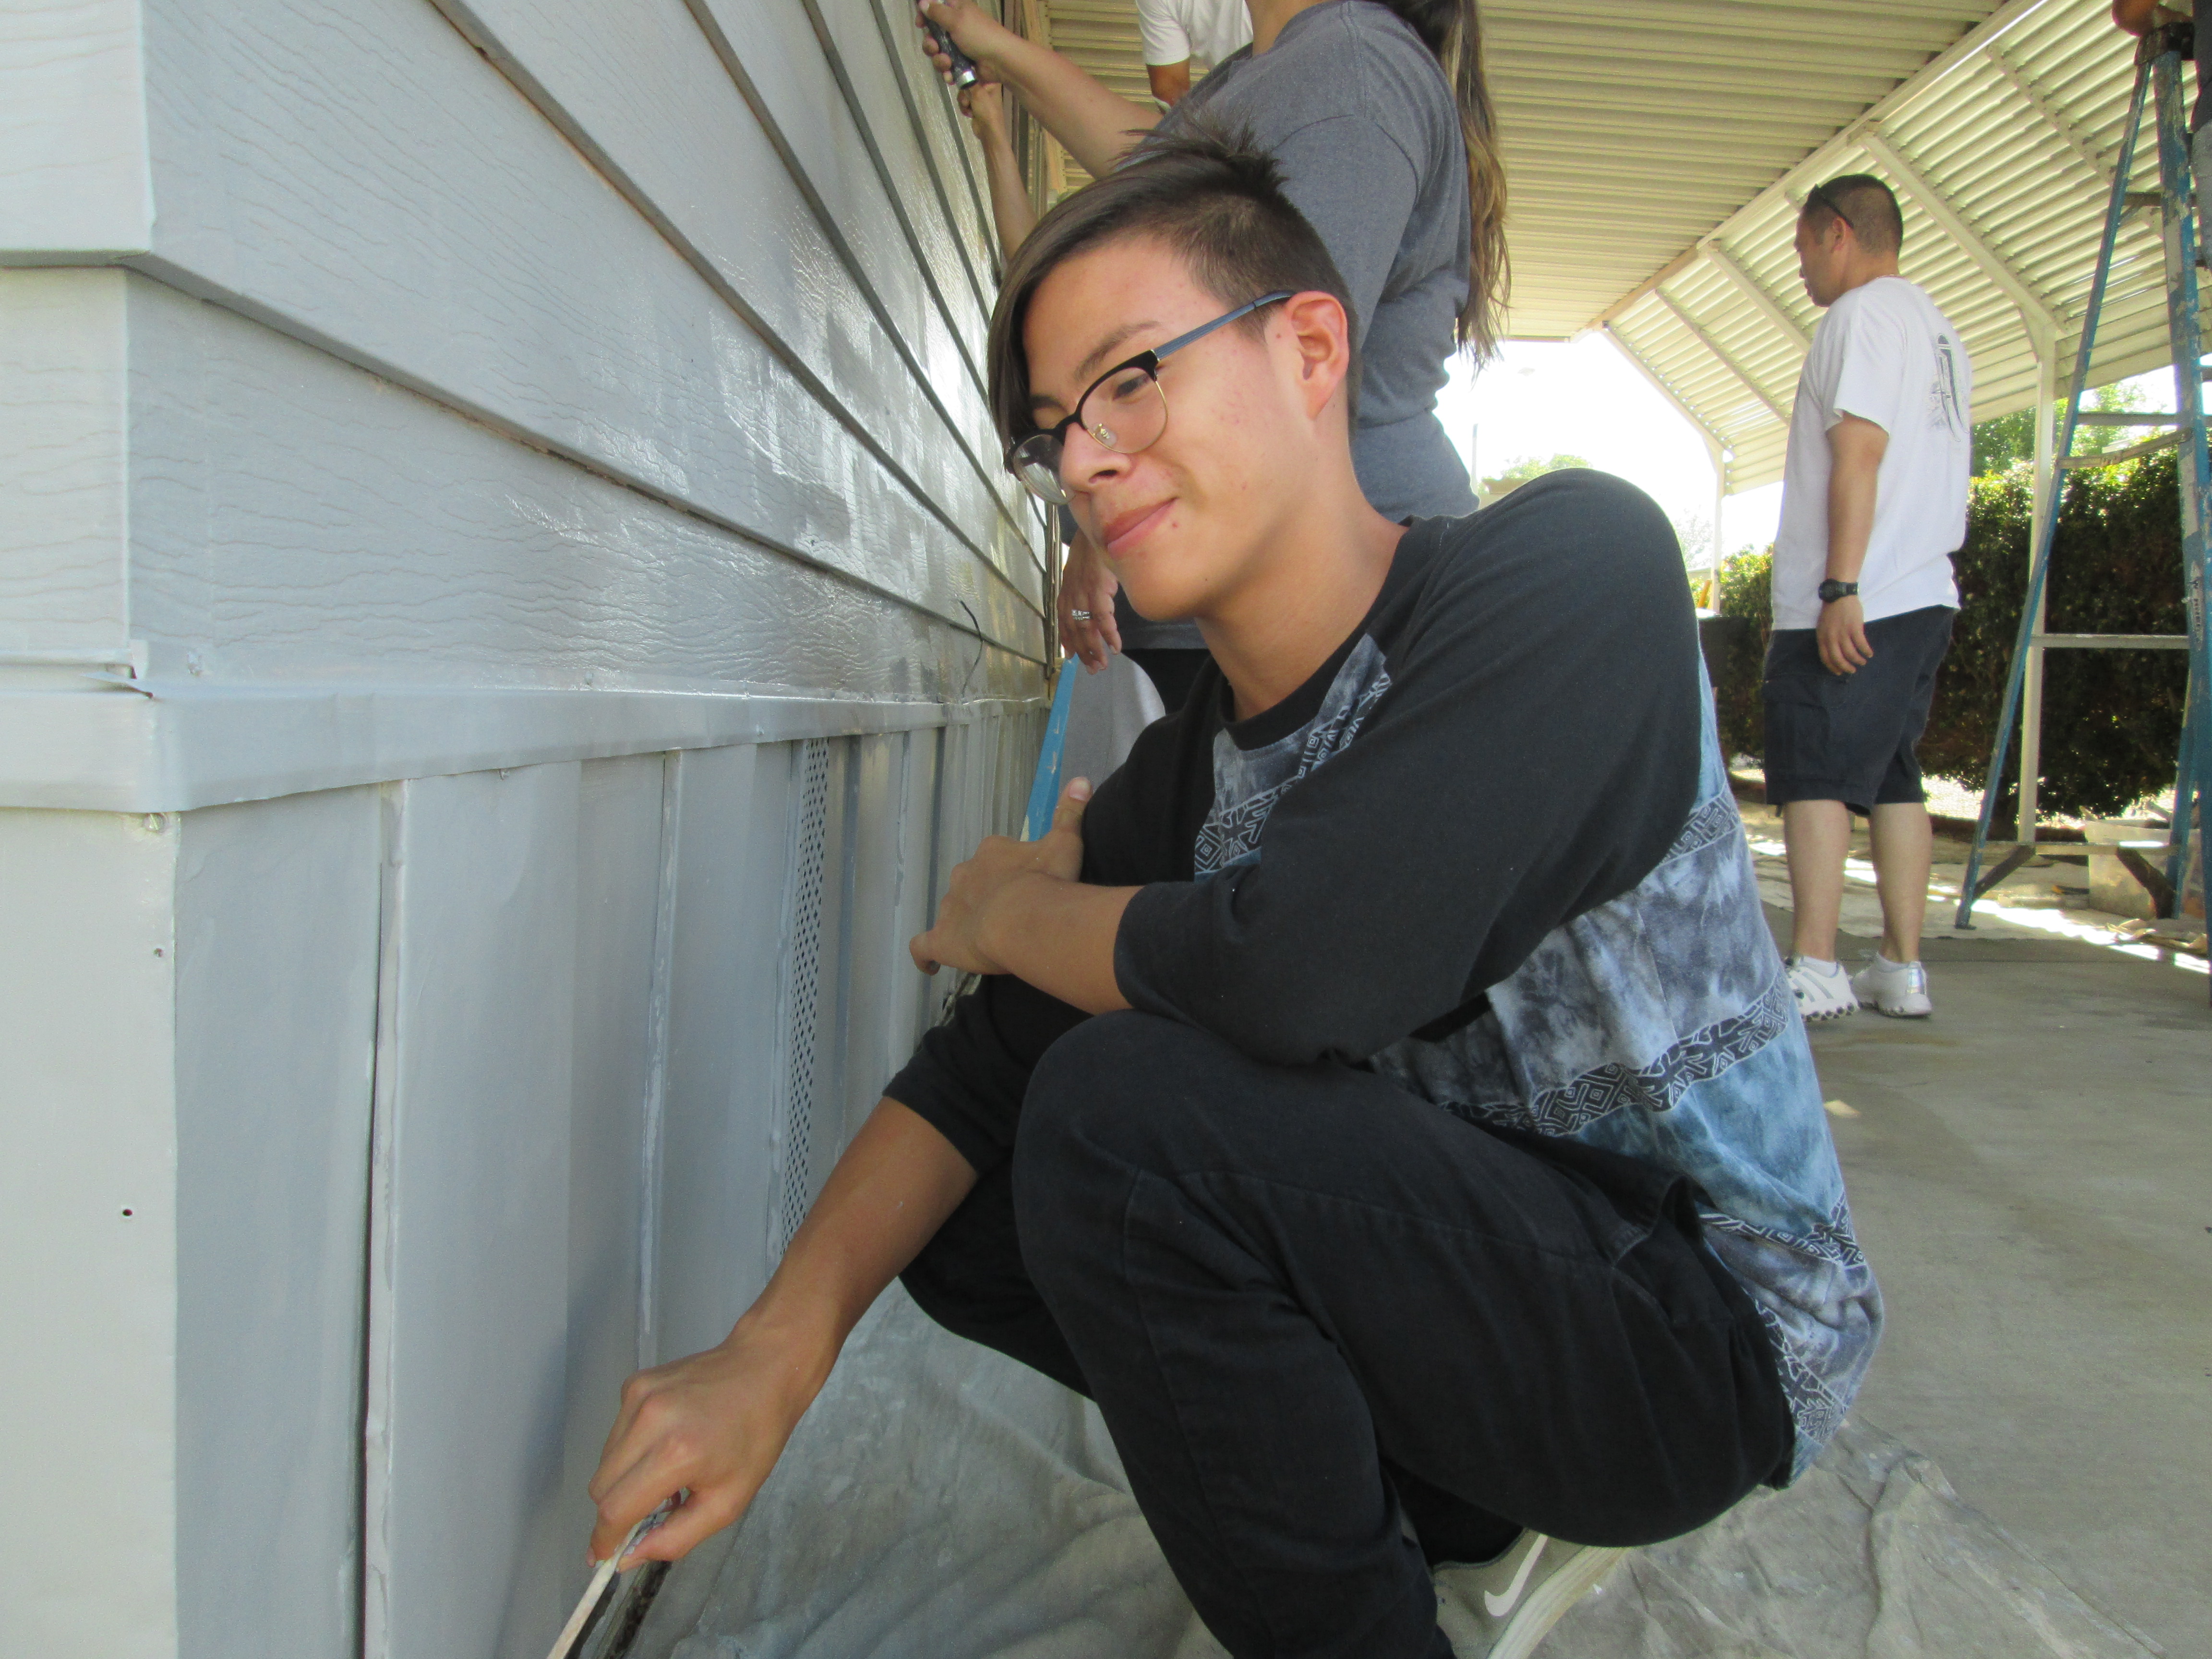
[1873, 504]
[1178, 33]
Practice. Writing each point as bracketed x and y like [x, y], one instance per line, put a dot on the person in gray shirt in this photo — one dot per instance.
[1377, 112]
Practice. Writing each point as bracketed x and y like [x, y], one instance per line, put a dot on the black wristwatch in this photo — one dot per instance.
[1832, 590]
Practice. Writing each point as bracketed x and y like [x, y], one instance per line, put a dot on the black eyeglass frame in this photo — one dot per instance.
[1149, 362]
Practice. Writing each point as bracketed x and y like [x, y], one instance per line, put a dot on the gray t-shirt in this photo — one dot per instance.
[1361, 120]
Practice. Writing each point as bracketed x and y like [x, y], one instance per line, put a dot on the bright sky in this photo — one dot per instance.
[1540, 399]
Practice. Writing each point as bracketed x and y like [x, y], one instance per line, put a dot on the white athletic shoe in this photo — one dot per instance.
[1503, 1608]
[1900, 989]
[1823, 988]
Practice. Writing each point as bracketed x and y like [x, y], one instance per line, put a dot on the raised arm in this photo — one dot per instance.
[718, 1421]
[1096, 125]
[1012, 213]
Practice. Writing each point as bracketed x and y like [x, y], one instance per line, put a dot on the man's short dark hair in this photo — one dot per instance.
[1216, 199]
[1865, 204]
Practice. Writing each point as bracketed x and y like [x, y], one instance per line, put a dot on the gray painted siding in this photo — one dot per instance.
[503, 560]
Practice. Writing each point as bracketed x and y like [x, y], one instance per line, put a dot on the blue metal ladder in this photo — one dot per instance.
[2158, 71]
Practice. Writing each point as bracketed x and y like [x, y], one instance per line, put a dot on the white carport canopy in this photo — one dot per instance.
[2001, 150]
[1658, 150]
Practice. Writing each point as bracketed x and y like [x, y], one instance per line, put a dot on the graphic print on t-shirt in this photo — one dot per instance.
[1248, 782]
[1943, 405]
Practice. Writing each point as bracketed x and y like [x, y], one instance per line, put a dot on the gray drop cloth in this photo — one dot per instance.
[941, 1500]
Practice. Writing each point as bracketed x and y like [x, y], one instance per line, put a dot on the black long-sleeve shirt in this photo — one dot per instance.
[1508, 739]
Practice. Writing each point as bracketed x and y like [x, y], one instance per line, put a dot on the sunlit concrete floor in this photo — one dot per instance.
[2031, 1172]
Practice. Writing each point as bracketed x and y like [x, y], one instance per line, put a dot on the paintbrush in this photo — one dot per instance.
[601, 1589]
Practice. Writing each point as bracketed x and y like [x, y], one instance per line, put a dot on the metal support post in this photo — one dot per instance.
[2194, 471]
[2044, 526]
[1720, 500]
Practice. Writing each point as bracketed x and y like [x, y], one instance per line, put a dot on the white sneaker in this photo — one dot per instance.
[1900, 989]
[1823, 988]
[1503, 1608]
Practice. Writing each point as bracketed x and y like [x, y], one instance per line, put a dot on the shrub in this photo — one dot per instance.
[2112, 720]
[1747, 591]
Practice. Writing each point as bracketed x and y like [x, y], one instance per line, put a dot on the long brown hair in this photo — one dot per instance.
[1452, 29]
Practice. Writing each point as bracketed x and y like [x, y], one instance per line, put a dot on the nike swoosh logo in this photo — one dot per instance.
[1498, 1606]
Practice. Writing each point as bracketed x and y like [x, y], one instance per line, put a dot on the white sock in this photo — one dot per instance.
[1815, 962]
[1883, 961]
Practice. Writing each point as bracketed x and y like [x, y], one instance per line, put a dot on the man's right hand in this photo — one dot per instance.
[715, 1423]
[1842, 635]
[972, 29]
[1086, 584]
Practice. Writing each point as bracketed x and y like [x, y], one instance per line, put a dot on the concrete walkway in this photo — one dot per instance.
[2031, 1171]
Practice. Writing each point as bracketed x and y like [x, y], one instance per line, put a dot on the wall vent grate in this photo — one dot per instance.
[803, 963]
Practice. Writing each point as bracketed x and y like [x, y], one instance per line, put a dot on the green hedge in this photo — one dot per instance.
[2112, 720]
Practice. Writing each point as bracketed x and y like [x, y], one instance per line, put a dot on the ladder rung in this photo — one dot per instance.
[2112, 417]
[2148, 850]
[2110, 641]
[2114, 457]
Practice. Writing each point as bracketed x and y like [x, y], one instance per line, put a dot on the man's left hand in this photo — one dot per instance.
[1000, 861]
[1843, 637]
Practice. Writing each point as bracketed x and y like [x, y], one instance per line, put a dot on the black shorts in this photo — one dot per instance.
[1851, 736]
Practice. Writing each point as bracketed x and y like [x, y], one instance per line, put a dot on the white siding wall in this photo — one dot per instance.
[508, 613]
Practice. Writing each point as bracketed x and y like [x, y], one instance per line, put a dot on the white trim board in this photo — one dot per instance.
[163, 747]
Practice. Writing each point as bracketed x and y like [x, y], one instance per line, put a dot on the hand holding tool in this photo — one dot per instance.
[964, 72]
[600, 1591]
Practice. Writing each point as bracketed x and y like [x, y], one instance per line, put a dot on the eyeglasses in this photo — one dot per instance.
[1123, 409]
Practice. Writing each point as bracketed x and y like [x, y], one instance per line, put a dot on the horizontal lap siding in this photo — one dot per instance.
[73, 128]
[63, 448]
[369, 182]
[295, 518]
[684, 133]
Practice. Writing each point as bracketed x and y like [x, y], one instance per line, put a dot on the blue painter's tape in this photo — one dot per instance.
[1044, 793]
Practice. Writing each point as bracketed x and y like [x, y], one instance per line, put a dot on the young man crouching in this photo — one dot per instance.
[1384, 1097]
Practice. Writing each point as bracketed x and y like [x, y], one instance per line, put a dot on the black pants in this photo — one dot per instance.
[1305, 1299]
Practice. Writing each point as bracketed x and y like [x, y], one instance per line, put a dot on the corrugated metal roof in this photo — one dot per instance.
[1657, 150]
[2002, 154]
[1631, 128]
